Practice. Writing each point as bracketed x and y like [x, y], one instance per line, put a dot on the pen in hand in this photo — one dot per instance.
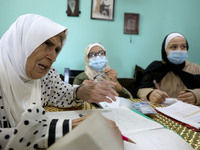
[99, 75]
[156, 84]
[127, 139]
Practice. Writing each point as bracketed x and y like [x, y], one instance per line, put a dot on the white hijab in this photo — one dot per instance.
[16, 45]
[90, 72]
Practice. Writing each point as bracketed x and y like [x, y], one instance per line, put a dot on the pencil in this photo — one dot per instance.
[127, 139]
[156, 84]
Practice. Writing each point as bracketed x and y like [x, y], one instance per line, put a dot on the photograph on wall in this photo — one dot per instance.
[102, 9]
[131, 23]
[73, 8]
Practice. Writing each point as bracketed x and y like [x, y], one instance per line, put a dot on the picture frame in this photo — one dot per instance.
[73, 8]
[102, 9]
[131, 23]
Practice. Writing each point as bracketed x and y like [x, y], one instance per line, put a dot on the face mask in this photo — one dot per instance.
[177, 57]
[98, 63]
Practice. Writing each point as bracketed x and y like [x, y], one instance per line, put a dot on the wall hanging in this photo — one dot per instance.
[102, 9]
[73, 8]
[131, 23]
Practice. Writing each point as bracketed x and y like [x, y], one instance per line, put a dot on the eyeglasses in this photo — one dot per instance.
[99, 53]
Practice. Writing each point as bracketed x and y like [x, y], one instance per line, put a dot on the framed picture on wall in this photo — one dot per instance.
[131, 23]
[102, 9]
[73, 8]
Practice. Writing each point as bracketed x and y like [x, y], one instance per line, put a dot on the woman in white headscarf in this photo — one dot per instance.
[28, 82]
[98, 69]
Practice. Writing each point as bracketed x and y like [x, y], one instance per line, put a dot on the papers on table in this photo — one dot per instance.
[170, 101]
[120, 101]
[147, 133]
[183, 112]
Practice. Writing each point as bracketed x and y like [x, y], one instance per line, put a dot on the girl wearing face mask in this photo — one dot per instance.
[96, 63]
[176, 77]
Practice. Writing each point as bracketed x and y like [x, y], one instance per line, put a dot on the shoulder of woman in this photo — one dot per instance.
[155, 64]
[82, 75]
[189, 65]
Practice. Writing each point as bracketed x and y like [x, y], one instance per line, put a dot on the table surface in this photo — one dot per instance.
[190, 136]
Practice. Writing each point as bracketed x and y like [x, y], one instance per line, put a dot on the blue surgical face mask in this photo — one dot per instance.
[98, 63]
[177, 57]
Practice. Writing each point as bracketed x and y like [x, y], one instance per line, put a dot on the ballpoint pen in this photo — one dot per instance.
[127, 139]
[99, 75]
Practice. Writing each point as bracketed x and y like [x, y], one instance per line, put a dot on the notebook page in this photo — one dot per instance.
[183, 112]
[159, 139]
[126, 119]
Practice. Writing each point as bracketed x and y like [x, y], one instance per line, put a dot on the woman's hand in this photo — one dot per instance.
[112, 75]
[187, 96]
[97, 92]
[109, 123]
[88, 82]
[157, 96]
[76, 122]
[115, 131]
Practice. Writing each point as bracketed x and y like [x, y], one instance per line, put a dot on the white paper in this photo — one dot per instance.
[148, 134]
[126, 119]
[183, 112]
[120, 101]
[159, 139]
[170, 101]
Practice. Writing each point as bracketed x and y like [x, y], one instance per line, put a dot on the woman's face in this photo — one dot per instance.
[40, 61]
[96, 51]
[177, 43]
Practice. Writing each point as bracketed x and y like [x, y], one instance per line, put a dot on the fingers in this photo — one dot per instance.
[158, 96]
[97, 92]
[187, 96]
[88, 82]
[112, 74]
[114, 128]
[76, 122]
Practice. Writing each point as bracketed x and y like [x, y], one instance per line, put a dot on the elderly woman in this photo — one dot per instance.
[98, 69]
[28, 82]
[176, 77]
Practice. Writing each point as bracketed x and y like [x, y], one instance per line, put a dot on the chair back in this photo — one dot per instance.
[69, 75]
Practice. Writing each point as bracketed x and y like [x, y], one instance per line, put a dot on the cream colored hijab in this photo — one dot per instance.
[91, 73]
[16, 45]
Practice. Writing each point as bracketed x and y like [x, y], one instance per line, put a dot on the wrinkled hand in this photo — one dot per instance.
[88, 82]
[112, 75]
[158, 96]
[187, 96]
[97, 92]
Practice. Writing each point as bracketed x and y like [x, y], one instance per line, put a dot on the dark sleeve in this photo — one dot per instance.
[145, 79]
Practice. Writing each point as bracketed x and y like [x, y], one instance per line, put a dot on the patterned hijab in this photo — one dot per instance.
[90, 72]
[16, 45]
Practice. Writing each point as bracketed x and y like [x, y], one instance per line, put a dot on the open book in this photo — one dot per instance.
[183, 112]
[146, 133]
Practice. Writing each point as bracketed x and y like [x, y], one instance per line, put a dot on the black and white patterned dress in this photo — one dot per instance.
[36, 130]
